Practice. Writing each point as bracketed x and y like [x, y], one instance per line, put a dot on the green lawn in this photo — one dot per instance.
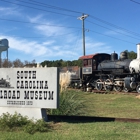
[112, 105]
[81, 131]
[102, 105]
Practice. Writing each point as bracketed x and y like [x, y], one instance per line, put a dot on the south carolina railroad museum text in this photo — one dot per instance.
[27, 89]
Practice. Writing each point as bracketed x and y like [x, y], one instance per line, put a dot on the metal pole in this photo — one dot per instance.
[83, 30]
[83, 36]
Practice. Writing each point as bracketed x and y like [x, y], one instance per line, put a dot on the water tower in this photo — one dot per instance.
[4, 45]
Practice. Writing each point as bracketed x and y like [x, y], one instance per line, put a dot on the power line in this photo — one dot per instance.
[43, 37]
[113, 25]
[38, 8]
[111, 29]
[58, 8]
[63, 27]
[114, 37]
[135, 1]
[96, 18]
[25, 22]
[55, 7]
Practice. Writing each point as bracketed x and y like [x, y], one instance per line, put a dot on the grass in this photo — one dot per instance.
[82, 131]
[103, 105]
[112, 105]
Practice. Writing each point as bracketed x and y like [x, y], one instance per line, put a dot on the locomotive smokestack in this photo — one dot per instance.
[138, 51]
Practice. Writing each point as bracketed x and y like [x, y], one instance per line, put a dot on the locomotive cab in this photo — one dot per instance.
[90, 62]
[90, 68]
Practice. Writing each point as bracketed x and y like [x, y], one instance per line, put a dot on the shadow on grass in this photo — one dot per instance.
[78, 119]
[87, 119]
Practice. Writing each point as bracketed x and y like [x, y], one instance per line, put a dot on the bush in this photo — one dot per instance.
[10, 122]
[39, 125]
[16, 122]
[69, 104]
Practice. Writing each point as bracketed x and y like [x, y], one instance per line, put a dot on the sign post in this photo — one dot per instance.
[29, 91]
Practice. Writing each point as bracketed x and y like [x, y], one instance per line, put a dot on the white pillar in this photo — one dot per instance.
[138, 51]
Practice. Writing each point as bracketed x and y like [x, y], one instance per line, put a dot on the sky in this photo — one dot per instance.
[51, 30]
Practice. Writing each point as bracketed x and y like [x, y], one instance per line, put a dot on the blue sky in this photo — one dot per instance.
[49, 29]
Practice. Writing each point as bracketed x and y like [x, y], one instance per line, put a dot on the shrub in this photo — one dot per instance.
[17, 122]
[34, 126]
[69, 104]
[10, 122]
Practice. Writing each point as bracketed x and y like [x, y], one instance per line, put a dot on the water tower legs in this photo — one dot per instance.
[7, 59]
[0, 60]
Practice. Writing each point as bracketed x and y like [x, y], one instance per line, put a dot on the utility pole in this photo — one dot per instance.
[83, 17]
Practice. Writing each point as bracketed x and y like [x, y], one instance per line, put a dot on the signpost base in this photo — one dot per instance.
[31, 113]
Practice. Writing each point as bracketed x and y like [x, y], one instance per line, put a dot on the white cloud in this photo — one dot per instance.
[25, 46]
[92, 46]
[48, 42]
[67, 47]
[47, 27]
[50, 50]
[35, 19]
[34, 49]
[8, 11]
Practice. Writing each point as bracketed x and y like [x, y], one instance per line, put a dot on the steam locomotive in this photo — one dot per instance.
[104, 71]
[4, 83]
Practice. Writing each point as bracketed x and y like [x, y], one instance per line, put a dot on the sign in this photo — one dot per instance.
[29, 87]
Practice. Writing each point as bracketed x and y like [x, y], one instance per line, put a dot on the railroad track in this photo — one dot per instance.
[109, 92]
[114, 92]
[86, 119]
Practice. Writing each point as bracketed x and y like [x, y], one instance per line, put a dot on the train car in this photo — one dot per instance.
[75, 75]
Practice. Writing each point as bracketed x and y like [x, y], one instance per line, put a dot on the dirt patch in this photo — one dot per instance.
[138, 97]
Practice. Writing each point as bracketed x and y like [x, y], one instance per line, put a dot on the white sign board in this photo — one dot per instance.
[29, 87]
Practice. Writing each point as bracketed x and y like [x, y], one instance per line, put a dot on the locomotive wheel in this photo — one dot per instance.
[138, 89]
[99, 86]
[108, 87]
[126, 90]
[118, 88]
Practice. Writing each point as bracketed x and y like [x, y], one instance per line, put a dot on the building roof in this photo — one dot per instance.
[88, 56]
[91, 55]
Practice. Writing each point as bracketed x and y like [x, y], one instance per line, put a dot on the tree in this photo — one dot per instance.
[6, 64]
[131, 54]
[33, 61]
[18, 63]
[62, 63]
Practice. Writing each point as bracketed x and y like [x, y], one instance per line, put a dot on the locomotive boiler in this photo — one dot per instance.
[114, 65]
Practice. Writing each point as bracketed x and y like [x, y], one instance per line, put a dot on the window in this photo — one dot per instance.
[94, 61]
[85, 62]
[89, 62]
[94, 64]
